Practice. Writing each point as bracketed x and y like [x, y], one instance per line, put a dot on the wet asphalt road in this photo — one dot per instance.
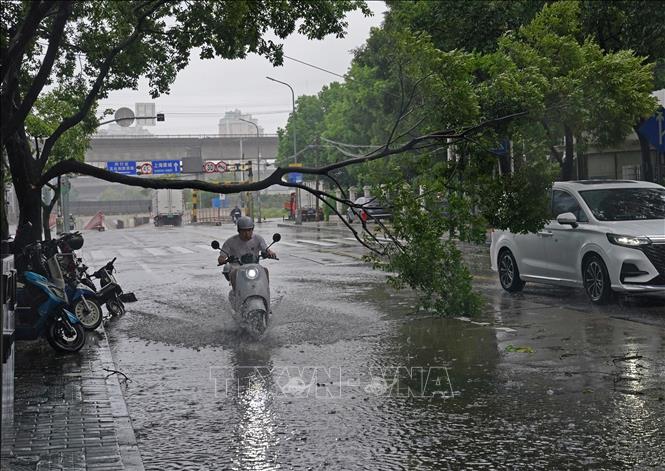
[349, 377]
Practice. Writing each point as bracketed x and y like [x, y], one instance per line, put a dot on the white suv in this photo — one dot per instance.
[606, 235]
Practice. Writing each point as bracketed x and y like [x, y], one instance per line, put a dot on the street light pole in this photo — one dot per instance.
[258, 163]
[295, 151]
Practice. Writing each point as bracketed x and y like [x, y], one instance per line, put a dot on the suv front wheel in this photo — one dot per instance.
[509, 274]
[596, 280]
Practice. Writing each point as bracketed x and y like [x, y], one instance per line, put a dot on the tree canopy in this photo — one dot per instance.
[87, 49]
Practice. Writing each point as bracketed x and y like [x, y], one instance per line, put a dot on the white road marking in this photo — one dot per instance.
[338, 241]
[289, 244]
[315, 242]
[379, 239]
[181, 250]
[205, 247]
[146, 268]
[131, 253]
[156, 251]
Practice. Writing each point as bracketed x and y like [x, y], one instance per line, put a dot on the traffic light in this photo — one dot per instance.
[160, 116]
[248, 167]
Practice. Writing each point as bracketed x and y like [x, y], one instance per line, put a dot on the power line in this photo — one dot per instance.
[314, 66]
[210, 113]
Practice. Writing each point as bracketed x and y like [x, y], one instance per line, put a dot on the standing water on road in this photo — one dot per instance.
[348, 377]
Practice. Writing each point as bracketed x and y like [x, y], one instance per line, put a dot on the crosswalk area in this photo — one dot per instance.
[137, 252]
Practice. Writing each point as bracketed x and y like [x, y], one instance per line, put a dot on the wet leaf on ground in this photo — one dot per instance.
[520, 349]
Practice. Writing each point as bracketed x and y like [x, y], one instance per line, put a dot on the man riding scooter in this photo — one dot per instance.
[245, 242]
[250, 294]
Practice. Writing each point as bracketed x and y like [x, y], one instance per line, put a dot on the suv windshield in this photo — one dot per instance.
[626, 204]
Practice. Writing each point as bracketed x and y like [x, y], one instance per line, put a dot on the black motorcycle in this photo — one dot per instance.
[110, 291]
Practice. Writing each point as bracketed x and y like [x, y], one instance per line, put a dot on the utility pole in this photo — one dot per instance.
[258, 165]
[295, 151]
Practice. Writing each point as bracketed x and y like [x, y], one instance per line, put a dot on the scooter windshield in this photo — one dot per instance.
[55, 272]
[248, 258]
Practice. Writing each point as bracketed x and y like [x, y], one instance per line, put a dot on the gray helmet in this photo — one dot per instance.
[245, 222]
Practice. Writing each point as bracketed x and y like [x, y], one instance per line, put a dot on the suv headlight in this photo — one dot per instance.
[252, 273]
[628, 241]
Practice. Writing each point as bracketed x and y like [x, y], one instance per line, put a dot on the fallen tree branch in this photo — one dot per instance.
[116, 372]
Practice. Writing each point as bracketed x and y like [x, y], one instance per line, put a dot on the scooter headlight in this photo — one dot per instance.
[252, 273]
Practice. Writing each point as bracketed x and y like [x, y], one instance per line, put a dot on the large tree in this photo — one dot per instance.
[405, 83]
[473, 26]
[616, 26]
[590, 95]
[636, 25]
[91, 48]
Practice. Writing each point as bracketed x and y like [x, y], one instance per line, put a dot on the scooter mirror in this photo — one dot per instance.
[215, 245]
[276, 237]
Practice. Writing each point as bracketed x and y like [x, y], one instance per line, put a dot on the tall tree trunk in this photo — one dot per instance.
[25, 175]
[46, 216]
[567, 165]
[505, 162]
[4, 224]
[646, 168]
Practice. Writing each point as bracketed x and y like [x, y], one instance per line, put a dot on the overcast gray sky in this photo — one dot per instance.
[207, 88]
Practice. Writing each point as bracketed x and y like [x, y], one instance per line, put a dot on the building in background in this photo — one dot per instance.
[623, 161]
[232, 125]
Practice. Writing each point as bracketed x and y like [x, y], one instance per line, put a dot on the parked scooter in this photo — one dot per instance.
[110, 292]
[250, 298]
[82, 300]
[41, 305]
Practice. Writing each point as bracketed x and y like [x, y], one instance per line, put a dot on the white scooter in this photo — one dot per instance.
[250, 300]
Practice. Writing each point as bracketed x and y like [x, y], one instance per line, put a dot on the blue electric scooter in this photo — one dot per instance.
[82, 300]
[41, 302]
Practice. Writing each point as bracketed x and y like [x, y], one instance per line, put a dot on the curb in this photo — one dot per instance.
[69, 412]
[129, 450]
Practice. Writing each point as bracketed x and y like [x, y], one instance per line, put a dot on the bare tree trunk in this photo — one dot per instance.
[646, 168]
[567, 165]
[25, 175]
[505, 161]
[46, 216]
[4, 224]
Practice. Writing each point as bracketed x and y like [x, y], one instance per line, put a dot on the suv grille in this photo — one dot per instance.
[656, 255]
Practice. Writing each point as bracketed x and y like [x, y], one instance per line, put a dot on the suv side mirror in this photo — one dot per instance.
[567, 218]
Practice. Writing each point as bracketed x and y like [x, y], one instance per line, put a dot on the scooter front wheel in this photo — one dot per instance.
[115, 307]
[65, 336]
[89, 312]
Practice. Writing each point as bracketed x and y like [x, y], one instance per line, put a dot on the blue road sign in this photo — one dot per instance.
[126, 168]
[165, 167]
[654, 129]
[294, 178]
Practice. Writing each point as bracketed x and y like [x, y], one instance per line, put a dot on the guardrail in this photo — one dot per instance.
[217, 216]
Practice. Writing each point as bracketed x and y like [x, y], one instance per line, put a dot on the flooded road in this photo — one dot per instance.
[349, 377]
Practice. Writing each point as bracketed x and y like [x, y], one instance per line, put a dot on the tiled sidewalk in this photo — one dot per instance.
[69, 413]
